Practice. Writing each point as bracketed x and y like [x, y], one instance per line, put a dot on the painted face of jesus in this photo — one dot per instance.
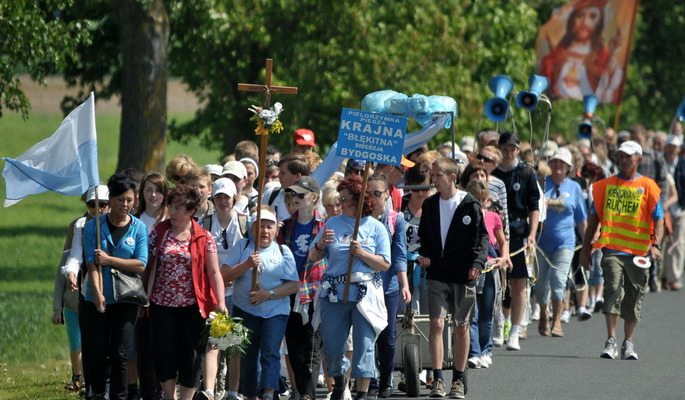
[585, 22]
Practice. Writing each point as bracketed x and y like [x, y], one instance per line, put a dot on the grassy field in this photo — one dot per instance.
[33, 352]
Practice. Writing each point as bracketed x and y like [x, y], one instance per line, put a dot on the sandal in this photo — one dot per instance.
[557, 332]
[543, 330]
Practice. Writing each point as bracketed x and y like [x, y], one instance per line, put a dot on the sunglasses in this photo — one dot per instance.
[399, 169]
[224, 239]
[485, 159]
[421, 190]
[293, 194]
[378, 193]
[356, 171]
[344, 199]
[177, 178]
[91, 204]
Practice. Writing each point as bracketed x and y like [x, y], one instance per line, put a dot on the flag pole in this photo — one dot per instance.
[99, 283]
[360, 209]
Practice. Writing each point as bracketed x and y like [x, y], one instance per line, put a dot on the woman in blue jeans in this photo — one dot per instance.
[265, 310]
[480, 351]
[365, 306]
[565, 211]
[395, 284]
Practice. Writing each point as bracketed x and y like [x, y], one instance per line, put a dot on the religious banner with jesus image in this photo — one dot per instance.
[584, 48]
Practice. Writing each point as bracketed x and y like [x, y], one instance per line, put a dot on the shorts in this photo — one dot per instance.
[624, 286]
[520, 269]
[457, 299]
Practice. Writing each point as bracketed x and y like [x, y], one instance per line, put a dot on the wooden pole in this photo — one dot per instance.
[264, 141]
[360, 208]
[99, 283]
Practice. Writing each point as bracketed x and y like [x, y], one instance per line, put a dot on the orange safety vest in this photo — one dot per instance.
[625, 211]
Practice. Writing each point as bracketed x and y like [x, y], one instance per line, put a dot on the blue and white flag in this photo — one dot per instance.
[66, 162]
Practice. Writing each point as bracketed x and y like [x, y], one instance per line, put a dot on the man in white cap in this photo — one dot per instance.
[628, 207]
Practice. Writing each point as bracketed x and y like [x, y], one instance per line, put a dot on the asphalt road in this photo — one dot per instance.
[570, 367]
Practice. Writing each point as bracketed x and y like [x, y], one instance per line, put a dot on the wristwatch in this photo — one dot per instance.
[272, 295]
[658, 246]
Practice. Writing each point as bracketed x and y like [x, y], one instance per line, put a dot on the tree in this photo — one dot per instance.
[34, 38]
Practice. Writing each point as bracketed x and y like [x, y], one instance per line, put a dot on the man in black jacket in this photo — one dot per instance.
[454, 247]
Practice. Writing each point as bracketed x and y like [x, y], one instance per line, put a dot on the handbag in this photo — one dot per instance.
[128, 288]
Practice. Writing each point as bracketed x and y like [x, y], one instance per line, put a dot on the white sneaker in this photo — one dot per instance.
[347, 395]
[486, 360]
[513, 343]
[535, 315]
[583, 314]
[498, 336]
[474, 362]
[566, 316]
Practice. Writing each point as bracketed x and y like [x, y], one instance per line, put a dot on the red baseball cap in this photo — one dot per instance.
[304, 137]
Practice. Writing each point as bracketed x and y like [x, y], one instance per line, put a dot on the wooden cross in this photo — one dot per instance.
[267, 89]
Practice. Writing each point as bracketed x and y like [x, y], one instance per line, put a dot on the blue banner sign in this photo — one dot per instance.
[371, 136]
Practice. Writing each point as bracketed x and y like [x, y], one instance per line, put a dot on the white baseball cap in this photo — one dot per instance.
[563, 154]
[674, 140]
[225, 186]
[103, 193]
[214, 169]
[235, 168]
[630, 147]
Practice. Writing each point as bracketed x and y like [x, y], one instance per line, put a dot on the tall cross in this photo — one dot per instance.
[267, 89]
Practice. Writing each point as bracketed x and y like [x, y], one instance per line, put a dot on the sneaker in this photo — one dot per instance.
[321, 382]
[438, 389]
[599, 305]
[347, 394]
[507, 330]
[341, 392]
[457, 389]
[583, 314]
[535, 315]
[566, 316]
[628, 351]
[485, 360]
[204, 395]
[513, 343]
[610, 349]
[372, 393]
[385, 391]
[498, 336]
[474, 362]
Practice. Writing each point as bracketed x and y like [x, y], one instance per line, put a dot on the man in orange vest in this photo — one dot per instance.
[629, 210]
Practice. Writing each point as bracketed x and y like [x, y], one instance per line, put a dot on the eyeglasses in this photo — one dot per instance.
[356, 171]
[91, 204]
[378, 193]
[293, 194]
[399, 169]
[556, 191]
[421, 190]
[485, 159]
[344, 199]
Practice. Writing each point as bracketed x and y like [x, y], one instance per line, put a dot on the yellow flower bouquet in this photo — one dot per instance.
[267, 119]
[227, 333]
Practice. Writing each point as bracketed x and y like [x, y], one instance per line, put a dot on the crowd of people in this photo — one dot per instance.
[493, 233]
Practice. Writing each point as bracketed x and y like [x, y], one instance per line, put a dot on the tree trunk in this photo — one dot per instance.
[144, 39]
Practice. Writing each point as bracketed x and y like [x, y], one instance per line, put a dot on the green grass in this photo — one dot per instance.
[34, 360]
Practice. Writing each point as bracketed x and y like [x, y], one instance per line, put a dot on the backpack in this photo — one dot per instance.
[272, 197]
[242, 223]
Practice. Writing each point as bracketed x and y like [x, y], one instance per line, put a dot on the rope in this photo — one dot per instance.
[571, 273]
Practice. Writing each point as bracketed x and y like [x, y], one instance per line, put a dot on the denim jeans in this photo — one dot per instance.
[481, 324]
[553, 277]
[336, 320]
[385, 344]
[261, 365]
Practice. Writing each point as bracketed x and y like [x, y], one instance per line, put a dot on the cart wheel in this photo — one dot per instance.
[412, 370]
